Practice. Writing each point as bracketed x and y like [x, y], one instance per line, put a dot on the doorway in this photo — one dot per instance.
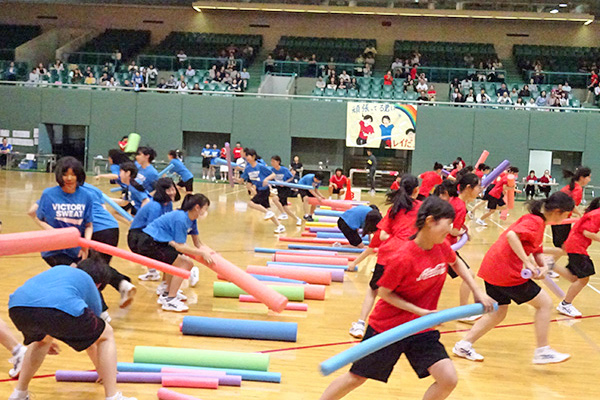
[66, 140]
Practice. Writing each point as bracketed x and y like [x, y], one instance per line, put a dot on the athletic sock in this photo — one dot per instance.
[170, 298]
[360, 321]
[564, 303]
[16, 349]
[21, 394]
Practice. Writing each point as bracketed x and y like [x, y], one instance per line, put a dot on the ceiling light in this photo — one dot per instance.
[554, 11]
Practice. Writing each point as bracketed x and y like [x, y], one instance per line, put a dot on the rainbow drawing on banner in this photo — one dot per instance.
[410, 111]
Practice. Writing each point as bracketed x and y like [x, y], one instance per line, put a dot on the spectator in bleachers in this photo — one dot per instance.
[182, 87]
[592, 86]
[132, 67]
[162, 84]
[127, 84]
[212, 73]
[112, 82]
[564, 100]
[498, 67]
[352, 84]
[332, 83]
[235, 74]
[567, 88]
[413, 72]
[58, 66]
[501, 90]
[34, 76]
[342, 84]
[181, 58]
[269, 64]
[408, 83]
[388, 79]
[415, 58]
[532, 85]
[218, 77]
[454, 94]
[77, 77]
[541, 100]
[138, 80]
[344, 76]
[11, 72]
[466, 83]
[231, 62]
[532, 103]
[421, 85]
[151, 75]
[227, 79]
[367, 71]
[397, 68]
[196, 88]
[311, 70]
[519, 104]
[553, 100]
[459, 98]
[235, 86]
[470, 97]
[423, 96]
[370, 60]
[483, 97]
[481, 73]
[525, 92]
[514, 92]
[171, 83]
[90, 79]
[504, 99]
[455, 83]
[431, 93]
[5, 148]
[559, 91]
[190, 72]
[44, 73]
[104, 79]
[116, 58]
[244, 76]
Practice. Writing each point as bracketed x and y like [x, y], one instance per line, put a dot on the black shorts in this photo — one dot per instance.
[35, 323]
[519, 294]
[206, 162]
[377, 274]
[133, 238]
[107, 236]
[303, 193]
[337, 190]
[61, 259]
[188, 185]
[422, 351]
[262, 198]
[283, 193]
[493, 202]
[560, 233]
[451, 271]
[581, 265]
[160, 251]
[420, 197]
[351, 234]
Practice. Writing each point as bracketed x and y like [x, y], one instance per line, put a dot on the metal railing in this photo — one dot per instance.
[171, 63]
[82, 57]
[575, 79]
[297, 97]
[446, 74]
[306, 69]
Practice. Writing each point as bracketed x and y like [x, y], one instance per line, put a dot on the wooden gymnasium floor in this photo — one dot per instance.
[506, 373]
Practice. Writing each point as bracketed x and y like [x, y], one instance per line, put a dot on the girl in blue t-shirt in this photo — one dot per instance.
[186, 177]
[63, 206]
[214, 154]
[206, 156]
[115, 159]
[283, 174]
[164, 239]
[136, 196]
[259, 175]
[356, 218]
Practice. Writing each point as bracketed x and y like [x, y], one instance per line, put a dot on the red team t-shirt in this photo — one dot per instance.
[395, 186]
[376, 242]
[237, 152]
[479, 173]
[496, 192]
[400, 229]
[500, 265]
[415, 275]
[576, 194]
[577, 243]
[460, 211]
[430, 179]
[340, 182]
[454, 172]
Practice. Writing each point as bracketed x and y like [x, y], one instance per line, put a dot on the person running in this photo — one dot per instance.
[430, 179]
[186, 177]
[282, 174]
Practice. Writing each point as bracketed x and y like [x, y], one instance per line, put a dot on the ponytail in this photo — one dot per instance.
[448, 187]
[466, 170]
[130, 167]
[401, 199]
[580, 172]
[191, 200]
[466, 180]
[557, 201]
[435, 207]
[594, 205]
[371, 220]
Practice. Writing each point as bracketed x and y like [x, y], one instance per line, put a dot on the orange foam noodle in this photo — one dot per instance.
[298, 258]
[311, 292]
[339, 204]
[38, 241]
[246, 298]
[136, 258]
[309, 234]
[247, 282]
[189, 381]
[484, 155]
[301, 274]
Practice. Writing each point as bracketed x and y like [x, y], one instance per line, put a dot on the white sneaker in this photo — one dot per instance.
[269, 215]
[279, 229]
[357, 330]
[119, 396]
[471, 215]
[336, 244]
[298, 222]
[282, 217]
[470, 319]
[106, 317]
[465, 349]
[162, 287]
[17, 362]
[18, 395]
[194, 276]
[545, 355]
[553, 275]
[174, 305]
[151, 275]
[372, 192]
[180, 296]
[568, 310]
[127, 291]
[481, 222]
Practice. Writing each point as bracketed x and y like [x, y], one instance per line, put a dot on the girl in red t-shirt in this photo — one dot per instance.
[580, 178]
[481, 171]
[337, 183]
[495, 196]
[518, 248]
[410, 288]
[430, 180]
[580, 266]
[396, 227]
[545, 179]
[396, 183]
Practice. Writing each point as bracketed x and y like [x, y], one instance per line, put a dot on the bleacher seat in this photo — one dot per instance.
[129, 42]
[444, 54]
[343, 50]
[12, 36]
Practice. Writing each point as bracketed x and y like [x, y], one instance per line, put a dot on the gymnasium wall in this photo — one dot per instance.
[443, 133]
[162, 20]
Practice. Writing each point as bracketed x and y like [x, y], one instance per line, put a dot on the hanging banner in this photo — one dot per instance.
[384, 125]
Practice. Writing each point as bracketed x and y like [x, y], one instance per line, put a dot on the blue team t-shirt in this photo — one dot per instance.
[206, 153]
[63, 210]
[180, 169]
[386, 132]
[257, 175]
[7, 147]
[147, 177]
[63, 288]
[281, 174]
[309, 180]
[115, 169]
[102, 218]
[355, 217]
[173, 226]
[149, 213]
[136, 197]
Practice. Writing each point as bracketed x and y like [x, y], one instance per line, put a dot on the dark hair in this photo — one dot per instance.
[96, 268]
[594, 205]
[372, 219]
[319, 175]
[447, 186]
[147, 151]
[401, 199]
[66, 163]
[133, 170]
[513, 170]
[276, 158]
[466, 170]
[435, 207]
[117, 156]
[124, 137]
[580, 172]
[191, 200]
[386, 117]
[368, 117]
[437, 165]
[468, 179]
[483, 167]
[531, 172]
[175, 153]
[339, 169]
[160, 194]
[557, 201]
[251, 152]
